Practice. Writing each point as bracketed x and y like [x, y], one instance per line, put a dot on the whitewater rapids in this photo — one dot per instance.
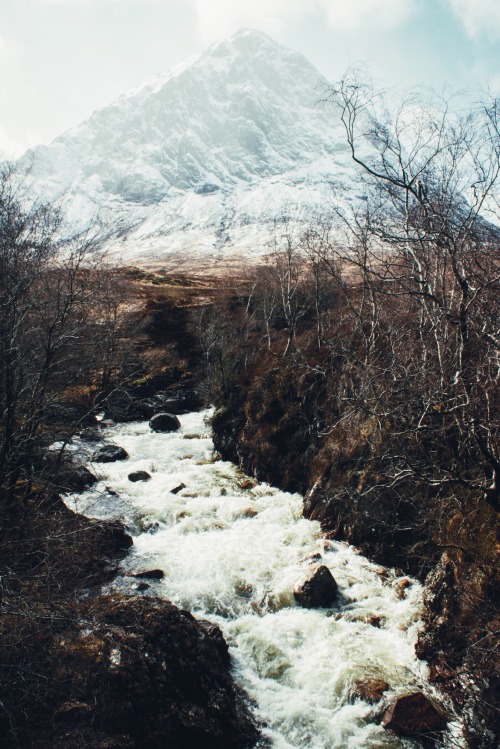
[231, 551]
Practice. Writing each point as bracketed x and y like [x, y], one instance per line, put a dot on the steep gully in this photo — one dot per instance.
[230, 550]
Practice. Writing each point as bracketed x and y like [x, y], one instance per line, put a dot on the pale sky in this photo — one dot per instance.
[62, 59]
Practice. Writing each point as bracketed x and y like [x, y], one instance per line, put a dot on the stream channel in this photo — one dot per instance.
[231, 551]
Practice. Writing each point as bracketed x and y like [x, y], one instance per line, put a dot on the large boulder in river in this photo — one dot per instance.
[146, 674]
[139, 476]
[164, 422]
[318, 590]
[109, 454]
[414, 715]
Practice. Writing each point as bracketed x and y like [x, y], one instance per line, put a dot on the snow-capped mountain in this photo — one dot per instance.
[200, 161]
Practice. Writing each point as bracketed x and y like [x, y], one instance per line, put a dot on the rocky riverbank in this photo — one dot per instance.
[81, 669]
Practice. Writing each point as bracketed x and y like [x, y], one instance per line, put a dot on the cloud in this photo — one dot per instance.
[8, 48]
[479, 17]
[345, 15]
[12, 147]
[216, 18]
[75, 3]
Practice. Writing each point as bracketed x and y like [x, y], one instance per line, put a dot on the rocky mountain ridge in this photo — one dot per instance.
[199, 162]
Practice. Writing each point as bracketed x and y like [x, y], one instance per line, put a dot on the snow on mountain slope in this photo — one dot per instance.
[199, 162]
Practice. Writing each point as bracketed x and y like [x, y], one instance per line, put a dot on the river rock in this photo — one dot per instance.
[318, 590]
[178, 488]
[247, 483]
[75, 477]
[215, 634]
[83, 478]
[371, 690]
[148, 407]
[153, 677]
[174, 406]
[401, 585]
[413, 715]
[109, 454]
[150, 574]
[139, 476]
[314, 558]
[164, 422]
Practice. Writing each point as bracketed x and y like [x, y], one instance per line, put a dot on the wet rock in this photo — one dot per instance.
[151, 672]
[143, 403]
[247, 484]
[90, 434]
[173, 405]
[413, 715]
[118, 540]
[314, 558]
[371, 690]
[249, 512]
[215, 634]
[66, 474]
[150, 526]
[318, 590]
[146, 408]
[76, 478]
[149, 574]
[83, 478]
[139, 476]
[109, 454]
[374, 621]
[164, 422]
[178, 488]
[400, 587]
[142, 586]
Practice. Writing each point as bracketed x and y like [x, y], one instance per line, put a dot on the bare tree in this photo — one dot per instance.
[51, 323]
[430, 235]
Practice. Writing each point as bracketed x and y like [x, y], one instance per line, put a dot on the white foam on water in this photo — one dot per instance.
[232, 552]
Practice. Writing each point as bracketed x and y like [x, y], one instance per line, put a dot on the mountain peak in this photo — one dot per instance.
[249, 42]
[245, 44]
[251, 33]
[197, 155]
[249, 37]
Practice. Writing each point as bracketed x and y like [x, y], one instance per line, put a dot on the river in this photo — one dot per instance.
[231, 551]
